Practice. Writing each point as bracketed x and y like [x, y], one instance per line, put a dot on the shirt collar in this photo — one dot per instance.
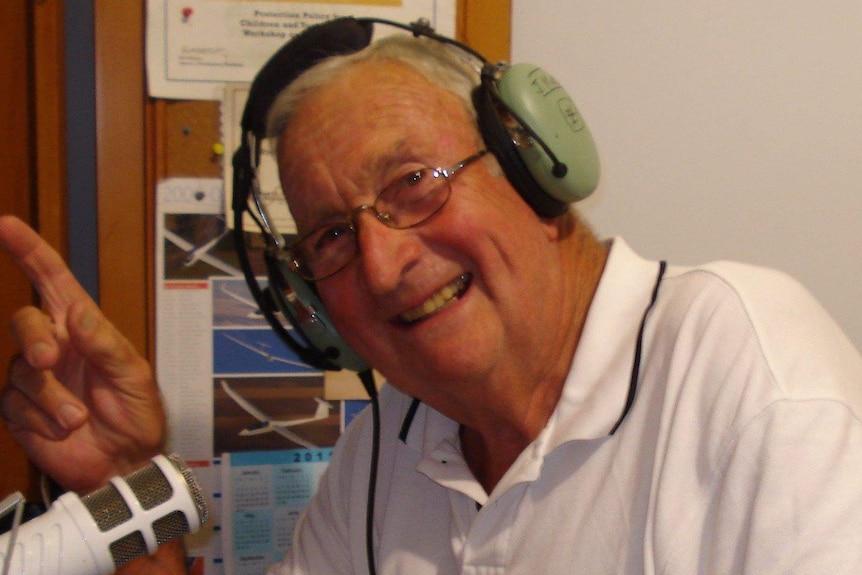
[597, 385]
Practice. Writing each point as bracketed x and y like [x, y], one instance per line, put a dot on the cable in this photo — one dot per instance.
[367, 378]
[636, 363]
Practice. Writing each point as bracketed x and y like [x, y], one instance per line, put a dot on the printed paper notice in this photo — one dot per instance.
[194, 47]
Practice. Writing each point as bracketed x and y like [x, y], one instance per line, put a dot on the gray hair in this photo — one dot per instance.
[441, 64]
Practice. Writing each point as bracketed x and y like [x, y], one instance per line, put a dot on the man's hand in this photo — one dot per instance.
[79, 398]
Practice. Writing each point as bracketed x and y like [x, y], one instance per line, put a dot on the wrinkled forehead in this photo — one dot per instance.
[373, 110]
[371, 87]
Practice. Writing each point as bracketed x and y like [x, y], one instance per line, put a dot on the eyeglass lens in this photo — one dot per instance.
[407, 202]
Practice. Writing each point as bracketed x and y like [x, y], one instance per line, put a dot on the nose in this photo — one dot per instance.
[384, 253]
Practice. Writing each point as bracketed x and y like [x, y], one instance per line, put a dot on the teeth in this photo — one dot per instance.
[438, 301]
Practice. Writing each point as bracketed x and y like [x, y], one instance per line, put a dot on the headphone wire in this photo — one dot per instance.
[367, 379]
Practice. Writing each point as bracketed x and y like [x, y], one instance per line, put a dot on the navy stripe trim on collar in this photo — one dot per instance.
[408, 420]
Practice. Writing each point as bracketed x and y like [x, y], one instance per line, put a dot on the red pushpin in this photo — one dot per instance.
[187, 12]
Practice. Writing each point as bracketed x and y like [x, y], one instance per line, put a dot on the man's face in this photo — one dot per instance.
[401, 302]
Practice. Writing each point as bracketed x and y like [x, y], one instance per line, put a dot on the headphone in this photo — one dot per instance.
[526, 119]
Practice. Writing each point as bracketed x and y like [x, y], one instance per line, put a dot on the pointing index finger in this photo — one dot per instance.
[46, 269]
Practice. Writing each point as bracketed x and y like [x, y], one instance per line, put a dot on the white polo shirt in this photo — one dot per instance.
[741, 454]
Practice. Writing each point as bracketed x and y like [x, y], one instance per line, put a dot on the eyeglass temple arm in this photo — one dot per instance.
[246, 183]
[464, 163]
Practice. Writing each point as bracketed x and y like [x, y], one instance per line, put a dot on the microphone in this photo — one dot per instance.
[97, 533]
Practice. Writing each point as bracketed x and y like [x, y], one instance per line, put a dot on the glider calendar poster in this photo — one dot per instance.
[252, 420]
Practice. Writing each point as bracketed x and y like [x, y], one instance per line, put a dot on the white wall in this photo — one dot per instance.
[727, 130]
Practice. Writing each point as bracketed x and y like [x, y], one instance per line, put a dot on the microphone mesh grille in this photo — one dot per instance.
[107, 507]
[170, 526]
[195, 489]
[128, 547]
[150, 486]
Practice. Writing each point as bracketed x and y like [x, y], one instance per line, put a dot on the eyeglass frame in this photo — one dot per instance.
[444, 177]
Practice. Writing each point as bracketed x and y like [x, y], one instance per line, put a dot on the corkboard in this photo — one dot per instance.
[191, 139]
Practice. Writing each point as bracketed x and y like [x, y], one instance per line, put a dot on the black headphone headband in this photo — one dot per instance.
[341, 36]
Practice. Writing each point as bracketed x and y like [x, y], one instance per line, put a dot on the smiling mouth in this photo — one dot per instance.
[448, 295]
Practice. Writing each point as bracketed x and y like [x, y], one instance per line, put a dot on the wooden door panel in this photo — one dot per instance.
[16, 182]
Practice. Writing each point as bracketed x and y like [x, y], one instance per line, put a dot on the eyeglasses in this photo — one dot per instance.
[405, 203]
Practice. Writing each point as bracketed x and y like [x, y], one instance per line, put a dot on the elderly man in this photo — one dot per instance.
[556, 404]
